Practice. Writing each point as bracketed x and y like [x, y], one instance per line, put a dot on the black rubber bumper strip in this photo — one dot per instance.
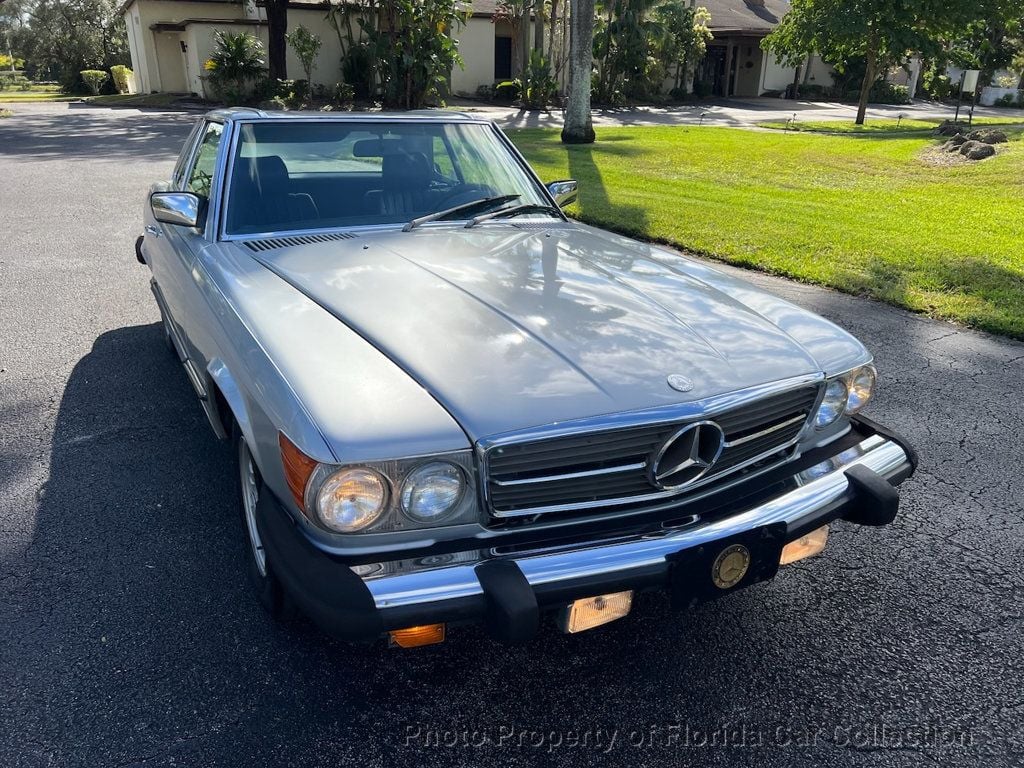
[875, 500]
[874, 427]
[512, 615]
[138, 250]
[331, 595]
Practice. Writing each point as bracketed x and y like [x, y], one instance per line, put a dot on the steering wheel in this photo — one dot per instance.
[464, 193]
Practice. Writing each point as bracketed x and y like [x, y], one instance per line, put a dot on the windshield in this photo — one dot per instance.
[294, 175]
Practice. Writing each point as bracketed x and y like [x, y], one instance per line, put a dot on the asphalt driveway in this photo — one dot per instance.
[127, 636]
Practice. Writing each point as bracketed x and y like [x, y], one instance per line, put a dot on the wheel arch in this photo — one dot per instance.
[227, 402]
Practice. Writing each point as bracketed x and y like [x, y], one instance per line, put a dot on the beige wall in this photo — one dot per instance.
[775, 77]
[476, 46]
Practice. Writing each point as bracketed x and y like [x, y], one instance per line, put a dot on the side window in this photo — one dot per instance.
[178, 177]
[206, 158]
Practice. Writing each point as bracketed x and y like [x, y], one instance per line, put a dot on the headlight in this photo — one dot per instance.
[862, 384]
[833, 404]
[432, 491]
[351, 499]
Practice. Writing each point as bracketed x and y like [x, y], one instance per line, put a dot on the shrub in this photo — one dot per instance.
[1010, 100]
[344, 95]
[536, 86]
[290, 94]
[485, 92]
[13, 80]
[506, 91]
[94, 79]
[357, 70]
[701, 89]
[122, 76]
[236, 67]
[887, 93]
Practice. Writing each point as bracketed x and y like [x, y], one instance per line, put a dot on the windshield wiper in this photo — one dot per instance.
[496, 200]
[515, 210]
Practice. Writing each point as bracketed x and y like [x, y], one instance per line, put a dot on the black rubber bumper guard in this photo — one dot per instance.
[339, 602]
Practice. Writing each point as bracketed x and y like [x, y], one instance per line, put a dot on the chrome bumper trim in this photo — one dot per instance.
[822, 485]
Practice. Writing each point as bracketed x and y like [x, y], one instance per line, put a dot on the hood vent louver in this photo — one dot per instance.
[273, 243]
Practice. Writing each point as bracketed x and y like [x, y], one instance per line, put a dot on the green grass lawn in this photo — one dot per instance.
[880, 126]
[865, 214]
[136, 99]
[21, 97]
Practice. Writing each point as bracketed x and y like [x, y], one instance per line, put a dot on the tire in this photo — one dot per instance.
[265, 585]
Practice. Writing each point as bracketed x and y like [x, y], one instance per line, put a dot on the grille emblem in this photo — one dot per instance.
[680, 383]
[687, 455]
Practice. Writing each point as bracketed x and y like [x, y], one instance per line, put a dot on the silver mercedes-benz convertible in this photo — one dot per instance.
[450, 403]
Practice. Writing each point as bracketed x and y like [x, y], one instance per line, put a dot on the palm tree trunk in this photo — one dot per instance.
[579, 128]
[538, 26]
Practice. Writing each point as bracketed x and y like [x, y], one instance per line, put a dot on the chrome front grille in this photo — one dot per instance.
[610, 466]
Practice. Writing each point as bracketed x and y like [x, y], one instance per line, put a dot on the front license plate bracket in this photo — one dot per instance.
[707, 572]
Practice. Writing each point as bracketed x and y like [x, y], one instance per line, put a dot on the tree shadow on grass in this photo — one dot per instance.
[595, 204]
[970, 289]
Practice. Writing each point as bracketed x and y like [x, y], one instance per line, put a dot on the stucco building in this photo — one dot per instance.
[170, 40]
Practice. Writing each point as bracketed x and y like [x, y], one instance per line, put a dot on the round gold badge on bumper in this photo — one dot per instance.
[730, 566]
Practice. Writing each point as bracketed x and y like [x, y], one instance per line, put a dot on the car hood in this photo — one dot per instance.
[510, 327]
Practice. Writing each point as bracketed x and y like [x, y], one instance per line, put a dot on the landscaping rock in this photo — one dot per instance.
[950, 128]
[954, 144]
[975, 150]
[988, 136]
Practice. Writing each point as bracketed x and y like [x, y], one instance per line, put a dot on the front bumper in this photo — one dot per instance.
[509, 592]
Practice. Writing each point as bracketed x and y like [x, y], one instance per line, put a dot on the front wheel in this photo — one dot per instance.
[268, 589]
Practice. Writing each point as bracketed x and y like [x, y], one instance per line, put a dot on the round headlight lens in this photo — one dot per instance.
[862, 385]
[432, 491]
[833, 405]
[351, 499]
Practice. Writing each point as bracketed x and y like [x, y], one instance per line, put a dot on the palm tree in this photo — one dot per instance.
[578, 127]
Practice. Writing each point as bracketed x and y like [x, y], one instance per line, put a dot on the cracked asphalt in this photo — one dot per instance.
[128, 637]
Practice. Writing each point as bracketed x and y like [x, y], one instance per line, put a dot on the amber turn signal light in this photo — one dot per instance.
[297, 468]
[413, 637]
[806, 546]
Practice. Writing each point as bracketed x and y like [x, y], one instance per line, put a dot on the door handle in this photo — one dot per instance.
[154, 231]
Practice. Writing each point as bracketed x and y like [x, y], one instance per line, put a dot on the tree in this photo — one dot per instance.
[881, 32]
[61, 38]
[686, 39]
[578, 127]
[306, 46]
[277, 38]
[414, 49]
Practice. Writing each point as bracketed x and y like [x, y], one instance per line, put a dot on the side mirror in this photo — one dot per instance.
[565, 192]
[181, 208]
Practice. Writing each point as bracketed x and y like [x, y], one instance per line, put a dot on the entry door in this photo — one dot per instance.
[175, 249]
